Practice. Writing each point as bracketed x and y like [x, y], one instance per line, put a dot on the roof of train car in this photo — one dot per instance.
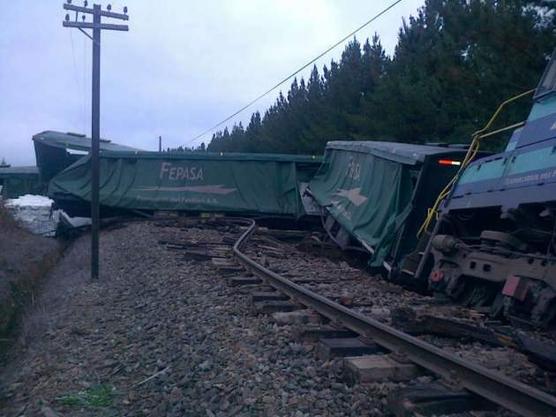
[228, 156]
[407, 153]
[18, 171]
[79, 142]
[76, 141]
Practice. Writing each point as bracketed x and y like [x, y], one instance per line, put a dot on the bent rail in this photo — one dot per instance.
[506, 392]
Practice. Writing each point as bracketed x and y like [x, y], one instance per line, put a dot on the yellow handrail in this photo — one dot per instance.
[432, 213]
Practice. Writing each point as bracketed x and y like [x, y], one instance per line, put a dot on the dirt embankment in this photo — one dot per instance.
[24, 261]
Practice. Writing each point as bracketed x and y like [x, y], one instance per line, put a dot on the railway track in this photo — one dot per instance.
[304, 289]
[497, 388]
[171, 321]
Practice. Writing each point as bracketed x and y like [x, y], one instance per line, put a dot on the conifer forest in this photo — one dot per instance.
[454, 63]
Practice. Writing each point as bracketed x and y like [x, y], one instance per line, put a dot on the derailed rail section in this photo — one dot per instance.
[506, 392]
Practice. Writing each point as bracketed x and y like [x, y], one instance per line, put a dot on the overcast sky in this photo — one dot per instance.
[182, 67]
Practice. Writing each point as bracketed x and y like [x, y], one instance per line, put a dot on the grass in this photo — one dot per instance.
[25, 260]
[6, 219]
[101, 395]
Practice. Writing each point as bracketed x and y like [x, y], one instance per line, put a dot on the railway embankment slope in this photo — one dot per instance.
[24, 261]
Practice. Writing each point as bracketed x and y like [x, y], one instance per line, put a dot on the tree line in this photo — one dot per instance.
[454, 63]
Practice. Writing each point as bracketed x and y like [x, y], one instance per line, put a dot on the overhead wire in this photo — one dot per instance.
[75, 71]
[85, 82]
[312, 61]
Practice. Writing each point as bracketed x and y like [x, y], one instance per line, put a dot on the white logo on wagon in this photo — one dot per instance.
[174, 173]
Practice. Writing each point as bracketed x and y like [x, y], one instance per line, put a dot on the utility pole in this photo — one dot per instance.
[160, 144]
[97, 26]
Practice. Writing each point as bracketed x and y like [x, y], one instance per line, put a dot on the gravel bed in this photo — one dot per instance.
[336, 279]
[161, 335]
[377, 298]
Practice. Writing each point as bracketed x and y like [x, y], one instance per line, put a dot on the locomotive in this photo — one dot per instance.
[494, 243]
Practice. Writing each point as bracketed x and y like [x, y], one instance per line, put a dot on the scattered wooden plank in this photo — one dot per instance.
[268, 296]
[314, 333]
[269, 307]
[296, 317]
[240, 281]
[329, 348]
[408, 321]
[433, 400]
[375, 368]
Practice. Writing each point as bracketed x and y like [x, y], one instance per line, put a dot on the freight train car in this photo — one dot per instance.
[56, 151]
[241, 184]
[17, 181]
[376, 194]
[495, 242]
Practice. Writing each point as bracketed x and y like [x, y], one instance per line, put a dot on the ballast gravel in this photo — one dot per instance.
[161, 334]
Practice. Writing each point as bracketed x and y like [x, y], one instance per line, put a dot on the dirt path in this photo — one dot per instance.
[164, 336]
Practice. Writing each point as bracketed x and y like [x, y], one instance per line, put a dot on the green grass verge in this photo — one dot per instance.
[101, 395]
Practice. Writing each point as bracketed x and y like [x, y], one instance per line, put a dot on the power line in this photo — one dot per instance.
[77, 83]
[368, 22]
[85, 83]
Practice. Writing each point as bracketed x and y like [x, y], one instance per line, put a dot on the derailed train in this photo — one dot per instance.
[493, 240]
[489, 238]
[376, 194]
[141, 181]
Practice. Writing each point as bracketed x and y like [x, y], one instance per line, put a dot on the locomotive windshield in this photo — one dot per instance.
[548, 80]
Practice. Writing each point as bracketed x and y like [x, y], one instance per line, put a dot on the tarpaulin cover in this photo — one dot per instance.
[240, 183]
[370, 196]
[56, 151]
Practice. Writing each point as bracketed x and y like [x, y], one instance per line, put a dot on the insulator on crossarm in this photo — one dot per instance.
[85, 3]
[125, 9]
[109, 7]
[67, 17]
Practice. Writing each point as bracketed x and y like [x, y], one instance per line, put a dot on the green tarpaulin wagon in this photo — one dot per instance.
[55, 151]
[240, 184]
[376, 194]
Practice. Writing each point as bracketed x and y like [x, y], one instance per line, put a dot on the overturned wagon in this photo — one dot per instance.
[241, 184]
[376, 194]
[56, 151]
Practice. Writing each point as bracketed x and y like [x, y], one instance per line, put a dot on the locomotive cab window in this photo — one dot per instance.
[548, 80]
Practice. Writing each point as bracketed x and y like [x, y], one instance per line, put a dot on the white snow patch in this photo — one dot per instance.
[35, 214]
[30, 200]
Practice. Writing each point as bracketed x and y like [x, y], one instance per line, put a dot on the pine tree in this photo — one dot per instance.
[455, 61]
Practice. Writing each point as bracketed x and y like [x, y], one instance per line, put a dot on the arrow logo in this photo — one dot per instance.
[354, 196]
[204, 189]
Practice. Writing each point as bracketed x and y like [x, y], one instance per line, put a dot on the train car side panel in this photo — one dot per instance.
[204, 183]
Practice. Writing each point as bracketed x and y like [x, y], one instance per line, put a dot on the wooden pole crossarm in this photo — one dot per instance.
[104, 13]
[89, 25]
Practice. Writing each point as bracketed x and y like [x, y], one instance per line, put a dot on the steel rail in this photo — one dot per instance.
[494, 386]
